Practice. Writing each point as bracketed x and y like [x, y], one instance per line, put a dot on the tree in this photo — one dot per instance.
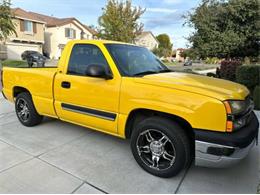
[7, 26]
[119, 21]
[164, 41]
[165, 46]
[225, 28]
[191, 53]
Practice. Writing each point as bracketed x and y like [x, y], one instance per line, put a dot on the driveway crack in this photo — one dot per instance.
[182, 179]
[72, 175]
[77, 187]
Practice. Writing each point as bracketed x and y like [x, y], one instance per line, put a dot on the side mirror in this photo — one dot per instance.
[99, 71]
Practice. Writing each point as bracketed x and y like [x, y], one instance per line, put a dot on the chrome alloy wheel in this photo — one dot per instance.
[23, 110]
[155, 149]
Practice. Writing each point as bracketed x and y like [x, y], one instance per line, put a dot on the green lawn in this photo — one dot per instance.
[14, 63]
[171, 63]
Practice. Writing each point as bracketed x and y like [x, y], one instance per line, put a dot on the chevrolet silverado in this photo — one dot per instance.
[124, 90]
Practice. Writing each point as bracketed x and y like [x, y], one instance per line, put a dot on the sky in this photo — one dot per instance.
[161, 16]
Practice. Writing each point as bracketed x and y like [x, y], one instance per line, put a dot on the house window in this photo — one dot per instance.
[28, 26]
[70, 33]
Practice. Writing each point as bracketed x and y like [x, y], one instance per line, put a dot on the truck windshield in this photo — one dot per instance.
[135, 61]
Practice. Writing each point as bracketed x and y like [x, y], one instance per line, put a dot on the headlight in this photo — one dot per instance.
[235, 106]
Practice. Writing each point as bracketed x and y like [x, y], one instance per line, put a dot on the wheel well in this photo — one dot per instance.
[18, 90]
[138, 115]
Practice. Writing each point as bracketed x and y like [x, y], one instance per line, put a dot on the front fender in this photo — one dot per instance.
[199, 111]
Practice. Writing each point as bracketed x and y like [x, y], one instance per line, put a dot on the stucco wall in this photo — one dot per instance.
[55, 37]
[87, 34]
[38, 36]
[147, 41]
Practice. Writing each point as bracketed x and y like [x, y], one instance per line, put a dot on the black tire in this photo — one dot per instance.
[27, 115]
[177, 139]
[30, 62]
[40, 64]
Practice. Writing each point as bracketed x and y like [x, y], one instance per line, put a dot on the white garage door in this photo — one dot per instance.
[14, 50]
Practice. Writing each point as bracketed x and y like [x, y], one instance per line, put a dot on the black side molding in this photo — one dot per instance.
[89, 111]
[240, 138]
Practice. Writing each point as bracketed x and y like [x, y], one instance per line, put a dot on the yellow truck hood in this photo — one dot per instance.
[212, 87]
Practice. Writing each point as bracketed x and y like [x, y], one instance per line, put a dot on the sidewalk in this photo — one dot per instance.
[204, 72]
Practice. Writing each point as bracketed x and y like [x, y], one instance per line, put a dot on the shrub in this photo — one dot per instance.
[256, 96]
[165, 61]
[218, 72]
[213, 60]
[228, 69]
[248, 75]
[210, 74]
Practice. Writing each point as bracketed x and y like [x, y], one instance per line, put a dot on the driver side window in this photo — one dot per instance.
[82, 56]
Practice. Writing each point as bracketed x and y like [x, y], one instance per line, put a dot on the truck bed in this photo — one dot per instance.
[38, 81]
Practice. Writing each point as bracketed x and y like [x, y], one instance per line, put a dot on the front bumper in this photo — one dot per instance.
[214, 149]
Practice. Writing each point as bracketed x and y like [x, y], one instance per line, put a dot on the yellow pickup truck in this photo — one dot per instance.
[124, 90]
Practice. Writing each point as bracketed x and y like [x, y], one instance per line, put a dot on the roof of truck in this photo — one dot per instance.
[100, 41]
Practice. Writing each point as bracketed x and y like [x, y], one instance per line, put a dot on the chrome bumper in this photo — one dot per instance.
[205, 158]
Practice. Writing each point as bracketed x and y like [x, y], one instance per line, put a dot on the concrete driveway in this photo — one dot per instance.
[58, 157]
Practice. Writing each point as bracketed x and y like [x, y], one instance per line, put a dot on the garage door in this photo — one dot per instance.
[14, 50]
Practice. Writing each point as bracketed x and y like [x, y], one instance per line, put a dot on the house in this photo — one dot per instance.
[148, 40]
[59, 31]
[30, 34]
[179, 51]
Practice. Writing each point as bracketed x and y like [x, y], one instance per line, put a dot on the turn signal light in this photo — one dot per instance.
[228, 108]
[229, 127]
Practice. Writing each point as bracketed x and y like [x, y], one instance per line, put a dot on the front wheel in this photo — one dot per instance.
[160, 146]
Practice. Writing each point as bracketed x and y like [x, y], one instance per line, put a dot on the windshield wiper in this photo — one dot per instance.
[165, 70]
[152, 72]
[145, 73]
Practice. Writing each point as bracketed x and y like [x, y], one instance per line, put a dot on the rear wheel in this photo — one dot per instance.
[160, 146]
[26, 111]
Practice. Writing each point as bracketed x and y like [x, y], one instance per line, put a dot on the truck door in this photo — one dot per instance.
[84, 100]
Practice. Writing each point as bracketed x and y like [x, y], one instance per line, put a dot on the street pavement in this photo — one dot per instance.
[58, 157]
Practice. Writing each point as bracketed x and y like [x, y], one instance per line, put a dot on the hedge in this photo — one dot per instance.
[256, 97]
[248, 75]
[228, 69]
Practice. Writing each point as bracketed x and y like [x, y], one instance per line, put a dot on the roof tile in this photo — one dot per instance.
[18, 12]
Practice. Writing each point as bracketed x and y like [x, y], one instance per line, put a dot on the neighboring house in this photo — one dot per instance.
[59, 31]
[179, 58]
[148, 40]
[30, 34]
